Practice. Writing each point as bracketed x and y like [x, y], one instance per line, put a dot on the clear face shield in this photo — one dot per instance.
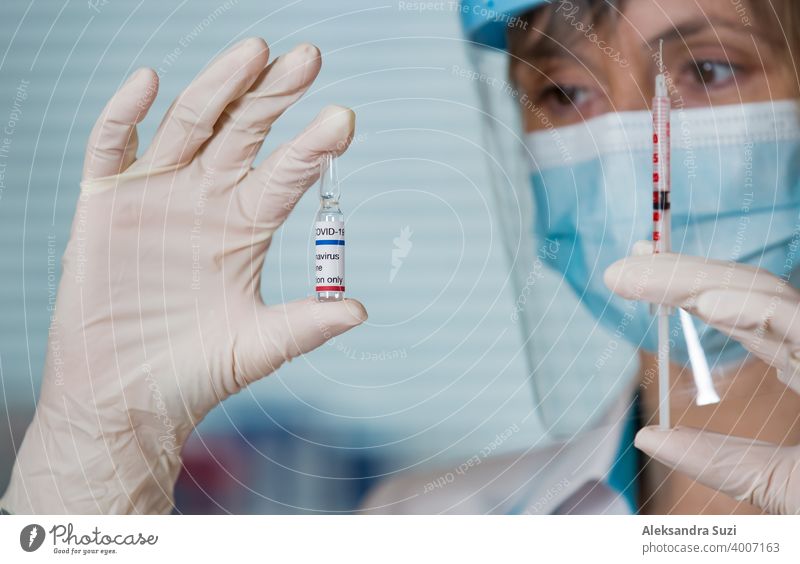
[578, 368]
[574, 199]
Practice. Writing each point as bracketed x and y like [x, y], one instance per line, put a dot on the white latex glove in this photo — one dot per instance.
[159, 314]
[762, 312]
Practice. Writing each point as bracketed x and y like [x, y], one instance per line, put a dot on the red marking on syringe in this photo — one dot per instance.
[661, 164]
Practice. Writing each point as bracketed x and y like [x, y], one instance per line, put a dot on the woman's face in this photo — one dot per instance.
[715, 52]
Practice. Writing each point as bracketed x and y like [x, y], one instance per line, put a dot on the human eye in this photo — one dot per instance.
[562, 92]
[710, 74]
[567, 102]
[564, 95]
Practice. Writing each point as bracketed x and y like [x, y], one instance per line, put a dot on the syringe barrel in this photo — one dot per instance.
[661, 176]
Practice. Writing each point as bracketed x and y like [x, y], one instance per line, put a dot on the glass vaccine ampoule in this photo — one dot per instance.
[329, 236]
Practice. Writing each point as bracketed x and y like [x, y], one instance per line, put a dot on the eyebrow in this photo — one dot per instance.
[546, 55]
[552, 48]
[682, 31]
[548, 48]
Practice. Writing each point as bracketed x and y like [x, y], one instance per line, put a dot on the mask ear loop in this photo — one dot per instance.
[703, 381]
[701, 373]
[706, 393]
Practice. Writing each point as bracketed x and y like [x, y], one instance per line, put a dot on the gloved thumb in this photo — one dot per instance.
[747, 470]
[310, 323]
[283, 332]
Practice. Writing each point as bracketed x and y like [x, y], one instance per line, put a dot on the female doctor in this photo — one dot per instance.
[126, 380]
[565, 88]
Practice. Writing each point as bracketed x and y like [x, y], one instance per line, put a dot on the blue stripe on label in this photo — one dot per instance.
[331, 242]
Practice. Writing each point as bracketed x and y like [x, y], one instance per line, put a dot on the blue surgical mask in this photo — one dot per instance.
[735, 196]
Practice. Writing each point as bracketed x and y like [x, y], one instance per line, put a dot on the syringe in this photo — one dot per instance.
[661, 223]
[662, 231]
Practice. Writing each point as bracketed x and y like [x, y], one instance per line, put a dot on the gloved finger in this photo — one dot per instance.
[766, 324]
[730, 308]
[740, 314]
[772, 352]
[790, 373]
[286, 331]
[642, 248]
[246, 121]
[191, 119]
[113, 141]
[271, 191]
[777, 314]
[678, 280]
[747, 470]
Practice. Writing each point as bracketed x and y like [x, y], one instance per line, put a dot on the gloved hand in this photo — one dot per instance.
[159, 314]
[762, 312]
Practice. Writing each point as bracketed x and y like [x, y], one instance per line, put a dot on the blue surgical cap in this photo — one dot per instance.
[485, 21]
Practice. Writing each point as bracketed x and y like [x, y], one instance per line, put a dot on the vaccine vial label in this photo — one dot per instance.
[330, 256]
